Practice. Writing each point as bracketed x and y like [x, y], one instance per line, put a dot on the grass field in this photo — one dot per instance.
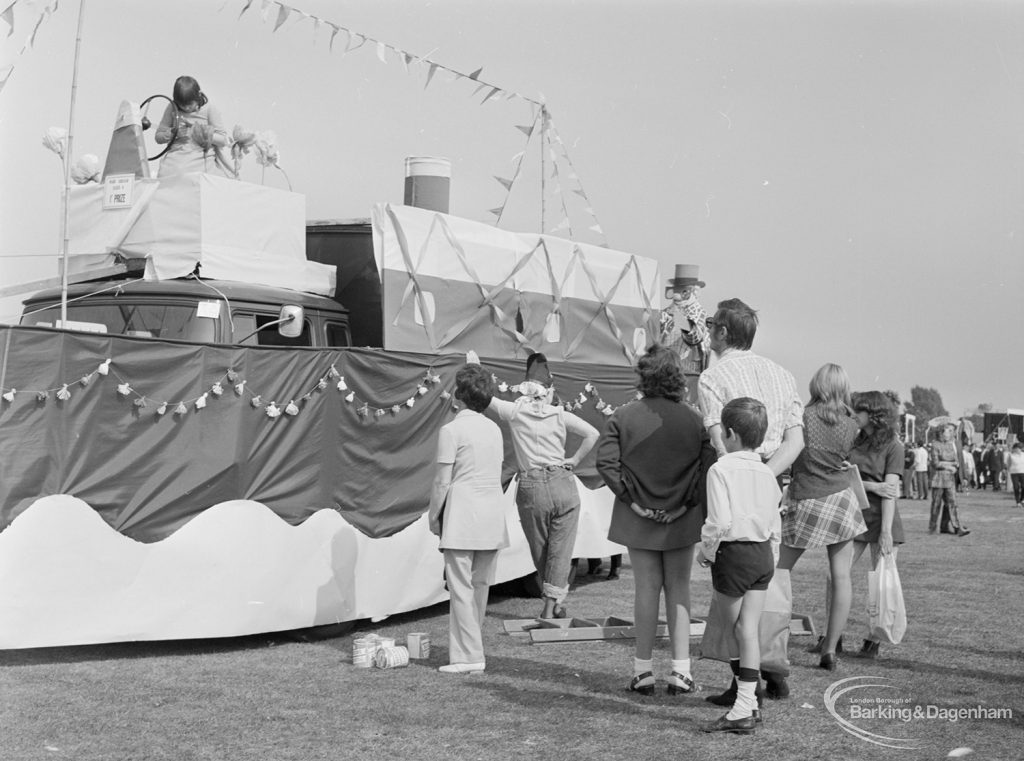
[276, 697]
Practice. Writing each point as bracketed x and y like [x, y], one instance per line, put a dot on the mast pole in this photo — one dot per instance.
[65, 225]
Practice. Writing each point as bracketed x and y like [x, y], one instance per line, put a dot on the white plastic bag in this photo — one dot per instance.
[887, 616]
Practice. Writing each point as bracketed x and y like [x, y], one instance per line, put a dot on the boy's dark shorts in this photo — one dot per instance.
[741, 566]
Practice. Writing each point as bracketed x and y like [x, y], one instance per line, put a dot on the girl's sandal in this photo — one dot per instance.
[680, 684]
[642, 683]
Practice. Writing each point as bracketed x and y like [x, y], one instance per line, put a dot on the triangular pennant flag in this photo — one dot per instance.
[479, 88]
[527, 130]
[596, 229]
[382, 52]
[5, 74]
[334, 33]
[317, 23]
[430, 74]
[32, 37]
[497, 212]
[579, 192]
[563, 225]
[494, 91]
[8, 17]
[476, 73]
[349, 47]
[265, 10]
[517, 159]
[244, 8]
[503, 181]
[590, 211]
[406, 59]
[282, 15]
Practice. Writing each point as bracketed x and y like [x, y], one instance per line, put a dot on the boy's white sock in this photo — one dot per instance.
[640, 666]
[746, 701]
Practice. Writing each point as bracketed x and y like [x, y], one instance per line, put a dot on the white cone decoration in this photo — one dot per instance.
[201, 402]
[104, 367]
[124, 389]
[64, 394]
[341, 384]
[181, 409]
[291, 409]
[9, 396]
[350, 397]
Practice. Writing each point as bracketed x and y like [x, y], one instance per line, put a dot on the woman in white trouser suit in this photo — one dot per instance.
[466, 512]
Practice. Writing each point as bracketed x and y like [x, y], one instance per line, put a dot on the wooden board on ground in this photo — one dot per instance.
[581, 629]
[577, 629]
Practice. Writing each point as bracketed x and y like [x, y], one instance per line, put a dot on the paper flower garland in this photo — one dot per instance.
[215, 390]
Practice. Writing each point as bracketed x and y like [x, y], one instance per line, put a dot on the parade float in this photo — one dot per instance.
[167, 474]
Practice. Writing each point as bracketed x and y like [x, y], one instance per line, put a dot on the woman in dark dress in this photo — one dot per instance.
[654, 455]
[878, 454]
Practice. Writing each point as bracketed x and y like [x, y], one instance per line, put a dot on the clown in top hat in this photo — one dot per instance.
[683, 321]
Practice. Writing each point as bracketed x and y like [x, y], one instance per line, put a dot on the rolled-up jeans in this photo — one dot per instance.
[549, 509]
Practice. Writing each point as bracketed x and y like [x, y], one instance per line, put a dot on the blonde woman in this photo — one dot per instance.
[823, 510]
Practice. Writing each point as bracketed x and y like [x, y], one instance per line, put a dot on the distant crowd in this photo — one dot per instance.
[991, 465]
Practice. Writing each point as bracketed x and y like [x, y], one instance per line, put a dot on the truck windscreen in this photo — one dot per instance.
[175, 321]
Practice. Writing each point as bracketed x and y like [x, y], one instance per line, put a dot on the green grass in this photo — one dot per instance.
[275, 697]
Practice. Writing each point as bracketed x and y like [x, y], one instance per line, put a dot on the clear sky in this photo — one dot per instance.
[853, 170]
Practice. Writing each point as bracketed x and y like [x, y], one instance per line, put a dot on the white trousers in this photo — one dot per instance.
[470, 574]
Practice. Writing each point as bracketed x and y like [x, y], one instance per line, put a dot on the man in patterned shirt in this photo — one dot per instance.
[739, 372]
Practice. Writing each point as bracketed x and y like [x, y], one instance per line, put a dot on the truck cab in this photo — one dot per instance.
[197, 311]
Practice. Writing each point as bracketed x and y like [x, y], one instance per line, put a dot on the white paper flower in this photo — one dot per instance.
[86, 169]
[64, 394]
[181, 409]
[217, 389]
[410, 402]
[84, 380]
[55, 138]
[291, 409]
[124, 389]
[608, 410]
[421, 390]
[256, 401]
[273, 411]
[321, 384]
[161, 409]
[265, 146]
[201, 402]
[394, 409]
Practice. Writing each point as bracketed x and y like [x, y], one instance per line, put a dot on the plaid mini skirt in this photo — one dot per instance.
[810, 523]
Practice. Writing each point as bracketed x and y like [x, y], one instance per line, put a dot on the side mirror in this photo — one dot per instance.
[291, 320]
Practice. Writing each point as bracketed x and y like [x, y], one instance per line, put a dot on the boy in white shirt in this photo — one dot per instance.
[743, 520]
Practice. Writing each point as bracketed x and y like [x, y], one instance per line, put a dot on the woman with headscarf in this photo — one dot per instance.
[546, 497]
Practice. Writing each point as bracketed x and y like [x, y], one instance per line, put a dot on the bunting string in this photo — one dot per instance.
[9, 19]
[428, 389]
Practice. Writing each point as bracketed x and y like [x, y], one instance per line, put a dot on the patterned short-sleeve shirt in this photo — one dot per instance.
[742, 373]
